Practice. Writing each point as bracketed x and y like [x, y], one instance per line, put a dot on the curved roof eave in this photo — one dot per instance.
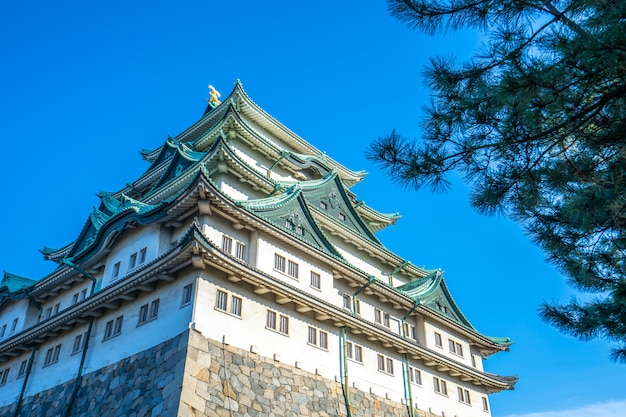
[271, 124]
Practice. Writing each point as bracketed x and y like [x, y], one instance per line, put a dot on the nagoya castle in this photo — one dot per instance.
[238, 276]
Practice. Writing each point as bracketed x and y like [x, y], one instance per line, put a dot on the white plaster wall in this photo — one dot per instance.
[13, 310]
[431, 327]
[366, 376]
[360, 263]
[10, 392]
[249, 331]
[255, 159]
[131, 242]
[268, 248]
[42, 378]
[171, 321]
[427, 399]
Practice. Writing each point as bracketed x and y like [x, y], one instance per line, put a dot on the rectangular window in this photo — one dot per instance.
[378, 316]
[79, 343]
[227, 244]
[47, 313]
[270, 321]
[149, 311]
[316, 280]
[113, 328]
[389, 363]
[116, 269]
[318, 338]
[354, 352]
[464, 395]
[221, 300]
[385, 364]
[240, 251]
[143, 314]
[415, 375]
[440, 386]
[357, 306]
[279, 262]
[4, 375]
[347, 302]
[284, 324]
[75, 298]
[485, 404]
[154, 309]
[358, 353]
[22, 370]
[438, 341]
[133, 261]
[3, 329]
[142, 255]
[323, 340]
[474, 361]
[293, 269]
[52, 355]
[83, 295]
[14, 325]
[235, 306]
[386, 320]
[55, 309]
[312, 336]
[187, 293]
[323, 205]
[410, 331]
[455, 347]
[118, 325]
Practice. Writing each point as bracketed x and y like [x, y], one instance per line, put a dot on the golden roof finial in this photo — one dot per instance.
[214, 95]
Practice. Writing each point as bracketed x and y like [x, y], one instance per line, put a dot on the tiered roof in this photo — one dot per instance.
[306, 203]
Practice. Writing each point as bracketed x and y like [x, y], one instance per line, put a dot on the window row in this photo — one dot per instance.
[318, 338]
[3, 329]
[240, 247]
[79, 296]
[223, 304]
[286, 266]
[277, 322]
[455, 347]
[351, 303]
[291, 268]
[51, 311]
[4, 374]
[112, 328]
[135, 259]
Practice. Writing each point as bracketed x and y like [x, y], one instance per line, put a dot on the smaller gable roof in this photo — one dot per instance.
[289, 212]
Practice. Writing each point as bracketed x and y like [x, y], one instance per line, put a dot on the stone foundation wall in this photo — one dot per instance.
[145, 384]
[223, 381]
[191, 376]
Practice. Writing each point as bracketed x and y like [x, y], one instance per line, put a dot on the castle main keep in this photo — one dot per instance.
[239, 275]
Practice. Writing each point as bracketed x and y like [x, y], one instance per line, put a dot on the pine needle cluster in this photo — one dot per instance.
[536, 124]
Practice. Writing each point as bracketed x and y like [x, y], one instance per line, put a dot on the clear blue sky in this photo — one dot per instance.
[85, 85]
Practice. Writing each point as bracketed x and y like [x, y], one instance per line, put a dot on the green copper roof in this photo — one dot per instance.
[432, 292]
[115, 206]
[288, 211]
[15, 283]
[183, 157]
[328, 195]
